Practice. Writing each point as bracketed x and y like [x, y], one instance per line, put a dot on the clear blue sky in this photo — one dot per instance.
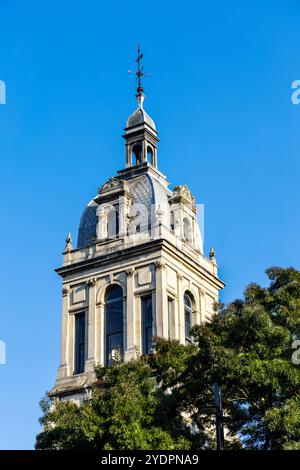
[220, 95]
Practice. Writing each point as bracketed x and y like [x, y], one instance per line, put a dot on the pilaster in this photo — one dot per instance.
[129, 328]
[161, 305]
[63, 368]
[91, 330]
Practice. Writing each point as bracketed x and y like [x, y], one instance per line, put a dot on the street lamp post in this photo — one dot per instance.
[219, 416]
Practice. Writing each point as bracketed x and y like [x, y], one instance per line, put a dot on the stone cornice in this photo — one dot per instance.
[132, 253]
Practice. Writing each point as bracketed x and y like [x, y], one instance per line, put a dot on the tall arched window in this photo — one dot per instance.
[80, 343]
[150, 155]
[172, 221]
[187, 317]
[137, 153]
[113, 324]
[187, 230]
[147, 324]
[113, 223]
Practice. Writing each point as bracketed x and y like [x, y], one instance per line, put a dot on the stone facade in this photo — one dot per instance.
[137, 234]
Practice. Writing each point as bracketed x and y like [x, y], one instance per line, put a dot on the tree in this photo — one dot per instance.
[246, 348]
[129, 411]
[165, 401]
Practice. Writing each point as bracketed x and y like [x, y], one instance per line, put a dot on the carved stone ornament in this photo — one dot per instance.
[184, 191]
[130, 272]
[159, 264]
[201, 292]
[68, 246]
[112, 183]
[91, 282]
[130, 217]
[81, 381]
[65, 291]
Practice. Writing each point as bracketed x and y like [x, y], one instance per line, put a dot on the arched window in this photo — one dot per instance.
[187, 230]
[137, 153]
[113, 223]
[172, 221]
[187, 316]
[80, 343]
[147, 323]
[150, 155]
[113, 324]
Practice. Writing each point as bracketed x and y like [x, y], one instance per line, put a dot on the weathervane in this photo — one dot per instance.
[139, 73]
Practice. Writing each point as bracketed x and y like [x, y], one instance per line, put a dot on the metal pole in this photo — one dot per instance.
[219, 417]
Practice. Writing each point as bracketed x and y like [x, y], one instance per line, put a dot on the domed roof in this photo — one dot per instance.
[140, 117]
[153, 196]
[87, 225]
[145, 190]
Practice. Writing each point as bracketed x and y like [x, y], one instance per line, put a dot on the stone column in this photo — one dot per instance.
[177, 223]
[91, 325]
[128, 156]
[180, 312]
[178, 307]
[63, 369]
[201, 316]
[161, 304]
[102, 221]
[71, 334]
[144, 151]
[202, 305]
[154, 156]
[130, 334]
[99, 339]
[123, 212]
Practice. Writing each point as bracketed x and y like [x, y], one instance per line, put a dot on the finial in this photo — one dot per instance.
[212, 255]
[69, 246]
[139, 74]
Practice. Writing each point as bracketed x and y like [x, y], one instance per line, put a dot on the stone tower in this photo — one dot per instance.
[138, 269]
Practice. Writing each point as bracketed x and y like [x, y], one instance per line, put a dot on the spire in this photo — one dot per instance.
[212, 255]
[69, 246]
[139, 74]
[140, 131]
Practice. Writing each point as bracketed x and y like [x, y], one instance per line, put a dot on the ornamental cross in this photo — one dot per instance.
[139, 73]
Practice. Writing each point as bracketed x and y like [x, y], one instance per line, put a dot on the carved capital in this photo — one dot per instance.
[201, 292]
[91, 282]
[179, 276]
[111, 185]
[159, 214]
[65, 291]
[159, 264]
[130, 272]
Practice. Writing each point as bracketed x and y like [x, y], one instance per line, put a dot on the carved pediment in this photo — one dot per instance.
[184, 192]
[111, 185]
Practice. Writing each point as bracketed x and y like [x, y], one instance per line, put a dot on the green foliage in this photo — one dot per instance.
[150, 403]
[246, 348]
[128, 412]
